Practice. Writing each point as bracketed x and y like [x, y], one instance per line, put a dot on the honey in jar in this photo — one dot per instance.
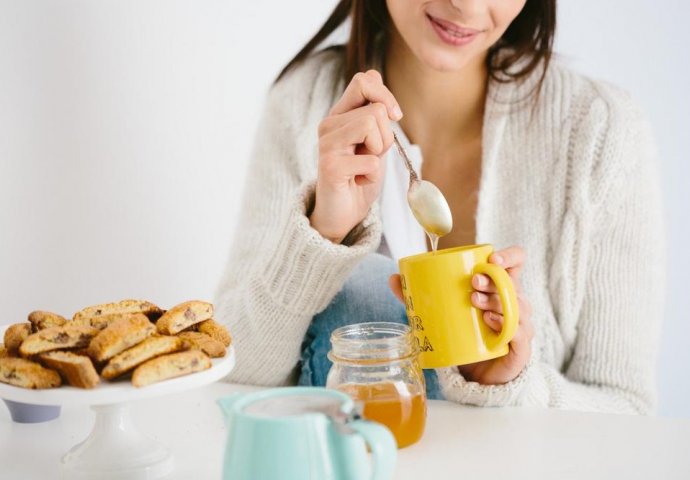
[376, 364]
[404, 415]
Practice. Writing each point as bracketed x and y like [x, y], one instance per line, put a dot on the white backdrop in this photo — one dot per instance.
[126, 125]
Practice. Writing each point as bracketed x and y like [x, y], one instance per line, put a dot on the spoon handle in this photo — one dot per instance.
[413, 175]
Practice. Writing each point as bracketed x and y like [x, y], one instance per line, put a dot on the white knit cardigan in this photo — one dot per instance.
[572, 179]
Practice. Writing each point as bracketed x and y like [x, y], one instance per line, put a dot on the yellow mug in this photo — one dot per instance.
[449, 331]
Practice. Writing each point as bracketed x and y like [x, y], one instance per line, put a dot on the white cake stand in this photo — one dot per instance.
[115, 449]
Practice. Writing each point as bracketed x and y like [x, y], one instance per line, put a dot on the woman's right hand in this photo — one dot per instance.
[352, 141]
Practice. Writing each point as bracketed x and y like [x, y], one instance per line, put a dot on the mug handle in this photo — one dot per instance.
[384, 450]
[506, 292]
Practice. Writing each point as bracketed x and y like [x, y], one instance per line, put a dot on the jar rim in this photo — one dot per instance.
[396, 330]
[372, 342]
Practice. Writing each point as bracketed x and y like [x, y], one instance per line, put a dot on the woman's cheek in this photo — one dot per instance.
[502, 13]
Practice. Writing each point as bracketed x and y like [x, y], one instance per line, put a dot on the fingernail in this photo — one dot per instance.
[498, 259]
[480, 297]
[481, 280]
[397, 113]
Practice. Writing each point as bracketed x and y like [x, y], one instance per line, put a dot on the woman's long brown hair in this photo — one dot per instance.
[530, 36]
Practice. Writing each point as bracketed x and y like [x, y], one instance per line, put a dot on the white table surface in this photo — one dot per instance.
[459, 442]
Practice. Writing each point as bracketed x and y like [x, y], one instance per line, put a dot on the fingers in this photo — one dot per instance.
[492, 302]
[351, 139]
[361, 122]
[340, 169]
[493, 320]
[482, 283]
[396, 287]
[367, 88]
[511, 258]
[521, 342]
[343, 139]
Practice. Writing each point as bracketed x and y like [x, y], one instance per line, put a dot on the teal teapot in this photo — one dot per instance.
[303, 433]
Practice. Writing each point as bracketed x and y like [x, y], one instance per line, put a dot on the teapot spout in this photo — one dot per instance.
[226, 404]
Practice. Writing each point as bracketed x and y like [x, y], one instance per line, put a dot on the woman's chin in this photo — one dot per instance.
[445, 62]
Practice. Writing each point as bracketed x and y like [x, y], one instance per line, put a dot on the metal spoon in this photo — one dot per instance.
[427, 203]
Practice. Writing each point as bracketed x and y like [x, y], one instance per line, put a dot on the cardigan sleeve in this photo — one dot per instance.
[281, 272]
[612, 368]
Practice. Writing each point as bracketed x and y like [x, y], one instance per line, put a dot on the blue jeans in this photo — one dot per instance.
[365, 297]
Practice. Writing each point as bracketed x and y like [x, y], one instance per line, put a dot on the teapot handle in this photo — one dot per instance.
[384, 450]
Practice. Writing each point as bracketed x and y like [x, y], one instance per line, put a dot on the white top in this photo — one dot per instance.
[570, 176]
[459, 442]
[402, 234]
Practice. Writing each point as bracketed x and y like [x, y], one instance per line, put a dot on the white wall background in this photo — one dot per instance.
[126, 125]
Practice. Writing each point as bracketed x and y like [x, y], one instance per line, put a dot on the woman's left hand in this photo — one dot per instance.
[503, 369]
[506, 368]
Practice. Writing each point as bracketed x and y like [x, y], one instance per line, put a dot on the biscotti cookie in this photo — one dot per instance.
[101, 322]
[212, 347]
[119, 336]
[55, 338]
[15, 336]
[76, 369]
[41, 320]
[27, 374]
[215, 330]
[170, 366]
[124, 306]
[146, 350]
[183, 316]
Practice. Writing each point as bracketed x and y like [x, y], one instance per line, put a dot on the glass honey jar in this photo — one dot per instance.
[376, 364]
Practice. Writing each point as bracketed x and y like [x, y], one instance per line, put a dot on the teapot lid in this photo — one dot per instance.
[302, 403]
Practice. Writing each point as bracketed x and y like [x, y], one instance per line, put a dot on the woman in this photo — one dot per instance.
[554, 169]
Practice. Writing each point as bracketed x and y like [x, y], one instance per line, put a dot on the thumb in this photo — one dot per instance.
[396, 286]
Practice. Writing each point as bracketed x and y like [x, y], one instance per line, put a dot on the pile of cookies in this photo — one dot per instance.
[111, 341]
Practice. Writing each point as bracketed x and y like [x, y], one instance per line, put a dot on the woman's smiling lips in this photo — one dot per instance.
[451, 33]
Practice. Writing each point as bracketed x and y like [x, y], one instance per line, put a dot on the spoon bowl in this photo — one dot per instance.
[427, 202]
[430, 208]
